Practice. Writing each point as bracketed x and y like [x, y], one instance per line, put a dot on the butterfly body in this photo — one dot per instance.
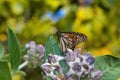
[70, 39]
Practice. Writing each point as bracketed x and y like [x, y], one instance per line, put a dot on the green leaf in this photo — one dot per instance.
[14, 50]
[110, 67]
[4, 71]
[52, 47]
[1, 51]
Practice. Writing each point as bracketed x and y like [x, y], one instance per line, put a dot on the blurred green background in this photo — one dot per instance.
[38, 19]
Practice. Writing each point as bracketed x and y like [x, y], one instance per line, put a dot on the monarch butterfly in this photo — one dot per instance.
[70, 39]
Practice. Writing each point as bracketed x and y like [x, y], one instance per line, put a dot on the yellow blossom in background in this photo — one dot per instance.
[99, 20]
[114, 47]
[92, 21]
[12, 23]
[102, 52]
[18, 76]
[3, 37]
[17, 8]
[89, 19]
[53, 4]
[118, 79]
[84, 13]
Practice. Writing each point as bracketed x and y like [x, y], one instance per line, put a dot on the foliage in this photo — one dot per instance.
[14, 50]
[110, 67]
[108, 64]
[29, 19]
[4, 71]
[53, 48]
[99, 20]
[1, 51]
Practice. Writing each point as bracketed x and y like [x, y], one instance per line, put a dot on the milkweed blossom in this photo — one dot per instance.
[35, 54]
[81, 67]
[52, 64]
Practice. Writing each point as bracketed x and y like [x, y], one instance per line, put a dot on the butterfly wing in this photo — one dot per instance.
[70, 39]
[63, 46]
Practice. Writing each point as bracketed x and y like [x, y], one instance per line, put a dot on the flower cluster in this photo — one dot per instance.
[52, 64]
[35, 54]
[80, 66]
